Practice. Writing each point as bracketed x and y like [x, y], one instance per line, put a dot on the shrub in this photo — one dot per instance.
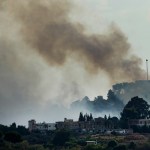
[112, 144]
[120, 147]
[1, 135]
[93, 147]
[82, 143]
[13, 137]
[132, 146]
[61, 137]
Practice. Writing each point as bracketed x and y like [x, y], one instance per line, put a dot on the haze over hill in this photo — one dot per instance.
[127, 90]
[120, 94]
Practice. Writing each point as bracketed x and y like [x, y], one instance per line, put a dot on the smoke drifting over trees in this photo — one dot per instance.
[38, 42]
[120, 94]
[125, 91]
[113, 105]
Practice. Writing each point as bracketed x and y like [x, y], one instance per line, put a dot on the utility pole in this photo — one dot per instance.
[147, 68]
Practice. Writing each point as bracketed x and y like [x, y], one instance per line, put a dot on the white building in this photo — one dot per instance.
[139, 122]
[32, 125]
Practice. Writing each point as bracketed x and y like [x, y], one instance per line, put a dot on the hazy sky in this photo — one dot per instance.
[46, 55]
[132, 17]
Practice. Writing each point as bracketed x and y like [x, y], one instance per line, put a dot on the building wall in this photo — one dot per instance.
[94, 125]
[139, 122]
[32, 125]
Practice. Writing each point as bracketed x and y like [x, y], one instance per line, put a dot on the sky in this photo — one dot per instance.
[54, 52]
[132, 17]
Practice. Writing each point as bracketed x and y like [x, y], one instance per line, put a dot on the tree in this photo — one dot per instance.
[93, 147]
[13, 126]
[115, 122]
[105, 117]
[112, 144]
[114, 100]
[61, 137]
[91, 117]
[120, 147]
[13, 137]
[132, 146]
[1, 134]
[81, 117]
[136, 108]
[86, 117]
[81, 142]
[105, 121]
[22, 130]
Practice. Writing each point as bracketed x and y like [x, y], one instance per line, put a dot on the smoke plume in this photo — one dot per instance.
[46, 27]
[46, 58]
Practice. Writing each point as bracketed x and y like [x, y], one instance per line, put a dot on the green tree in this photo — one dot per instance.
[81, 117]
[13, 137]
[114, 100]
[112, 144]
[81, 142]
[105, 121]
[91, 117]
[93, 147]
[120, 147]
[13, 126]
[132, 146]
[136, 108]
[1, 135]
[22, 130]
[61, 137]
[86, 117]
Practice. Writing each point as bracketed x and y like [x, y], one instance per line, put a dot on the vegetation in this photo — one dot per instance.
[132, 146]
[99, 104]
[112, 144]
[65, 140]
[85, 117]
[13, 127]
[18, 138]
[93, 147]
[61, 137]
[136, 108]
[13, 137]
[120, 147]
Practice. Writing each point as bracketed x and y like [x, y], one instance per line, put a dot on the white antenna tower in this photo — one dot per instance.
[147, 68]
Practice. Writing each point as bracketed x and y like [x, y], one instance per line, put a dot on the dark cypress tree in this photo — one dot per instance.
[91, 117]
[81, 117]
[105, 121]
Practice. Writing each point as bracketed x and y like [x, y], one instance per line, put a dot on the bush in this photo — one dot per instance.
[82, 143]
[132, 146]
[13, 137]
[120, 147]
[61, 137]
[112, 144]
[70, 144]
[93, 147]
[145, 146]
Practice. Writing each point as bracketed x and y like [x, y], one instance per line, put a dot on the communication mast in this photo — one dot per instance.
[147, 68]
